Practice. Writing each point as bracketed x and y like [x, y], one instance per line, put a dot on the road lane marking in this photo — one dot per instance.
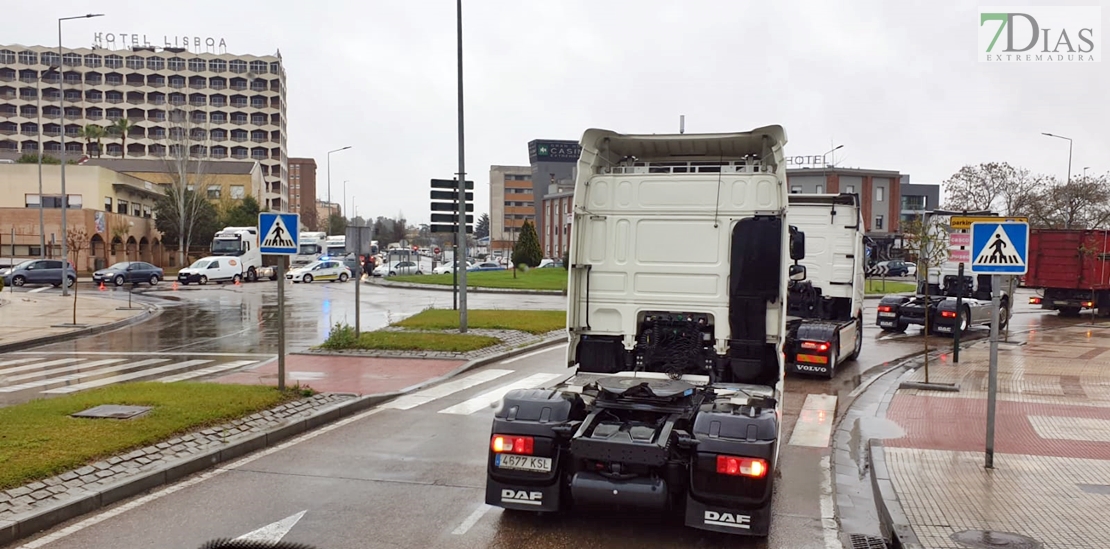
[828, 516]
[206, 371]
[272, 533]
[19, 361]
[531, 354]
[472, 519]
[814, 425]
[39, 290]
[484, 400]
[80, 375]
[66, 370]
[47, 364]
[413, 400]
[169, 490]
[126, 377]
[138, 353]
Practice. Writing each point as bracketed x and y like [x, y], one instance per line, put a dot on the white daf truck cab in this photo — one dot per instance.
[680, 258]
[825, 322]
[310, 248]
[242, 243]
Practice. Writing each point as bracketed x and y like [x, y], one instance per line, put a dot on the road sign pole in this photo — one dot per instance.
[462, 180]
[959, 313]
[992, 376]
[281, 322]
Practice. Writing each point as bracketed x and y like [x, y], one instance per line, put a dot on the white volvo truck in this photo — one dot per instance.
[679, 262]
[825, 322]
[242, 242]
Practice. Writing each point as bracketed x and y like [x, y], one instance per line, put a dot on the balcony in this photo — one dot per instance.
[114, 100]
[240, 156]
[27, 79]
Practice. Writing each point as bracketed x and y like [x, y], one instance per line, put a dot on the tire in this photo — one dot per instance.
[154, 280]
[70, 281]
[252, 275]
[392, 273]
[307, 279]
[118, 280]
[236, 279]
[202, 280]
[964, 320]
[1003, 316]
[342, 277]
[18, 281]
[859, 339]
[419, 272]
[833, 355]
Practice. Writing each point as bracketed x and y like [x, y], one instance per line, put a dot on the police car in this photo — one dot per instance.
[321, 269]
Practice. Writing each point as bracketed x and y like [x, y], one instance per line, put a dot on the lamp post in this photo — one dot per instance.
[344, 206]
[328, 225]
[1069, 151]
[834, 149]
[62, 102]
[42, 221]
[461, 236]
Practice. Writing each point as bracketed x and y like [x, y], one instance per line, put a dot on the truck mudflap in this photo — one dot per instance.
[889, 314]
[813, 350]
[542, 498]
[752, 522]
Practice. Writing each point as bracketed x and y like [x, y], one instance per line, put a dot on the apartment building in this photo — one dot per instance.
[302, 190]
[512, 201]
[174, 102]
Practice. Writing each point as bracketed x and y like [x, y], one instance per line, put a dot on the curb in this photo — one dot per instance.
[469, 289]
[151, 312]
[503, 354]
[40, 520]
[893, 522]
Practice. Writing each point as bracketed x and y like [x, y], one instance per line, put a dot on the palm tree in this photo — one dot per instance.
[91, 133]
[121, 127]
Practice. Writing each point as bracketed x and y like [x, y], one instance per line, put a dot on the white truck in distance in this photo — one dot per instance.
[680, 257]
[310, 248]
[825, 322]
[336, 246]
[242, 242]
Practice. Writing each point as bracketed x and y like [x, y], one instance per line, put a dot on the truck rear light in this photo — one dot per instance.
[815, 345]
[886, 309]
[1034, 301]
[1088, 304]
[948, 314]
[509, 444]
[741, 466]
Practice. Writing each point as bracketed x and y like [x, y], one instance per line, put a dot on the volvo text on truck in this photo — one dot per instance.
[1070, 268]
[825, 311]
[680, 257]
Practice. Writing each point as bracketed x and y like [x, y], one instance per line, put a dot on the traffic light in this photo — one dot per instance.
[447, 201]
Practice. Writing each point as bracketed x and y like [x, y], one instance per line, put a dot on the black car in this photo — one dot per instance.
[134, 272]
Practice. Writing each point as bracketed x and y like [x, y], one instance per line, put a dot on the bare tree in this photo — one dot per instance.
[77, 239]
[1084, 203]
[991, 186]
[188, 171]
[927, 240]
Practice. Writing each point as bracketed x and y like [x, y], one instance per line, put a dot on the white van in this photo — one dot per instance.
[212, 269]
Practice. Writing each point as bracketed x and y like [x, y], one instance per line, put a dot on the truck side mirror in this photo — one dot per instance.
[797, 272]
[797, 244]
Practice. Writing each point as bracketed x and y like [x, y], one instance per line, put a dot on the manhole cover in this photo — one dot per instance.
[113, 411]
[860, 541]
[986, 539]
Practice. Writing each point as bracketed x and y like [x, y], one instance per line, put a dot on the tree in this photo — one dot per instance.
[120, 128]
[527, 250]
[990, 186]
[1083, 203]
[243, 213]
[927, 240]
[482, 229]
[93, 133]
[77, 239]
[337, 224]
[186, 218]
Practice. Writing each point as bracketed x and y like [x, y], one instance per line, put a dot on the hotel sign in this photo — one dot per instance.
[195, 44]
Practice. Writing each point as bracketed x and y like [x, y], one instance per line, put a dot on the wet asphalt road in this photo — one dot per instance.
[414, 478]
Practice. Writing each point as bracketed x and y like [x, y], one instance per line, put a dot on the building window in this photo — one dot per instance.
[213, 192]
[878, 222]
[136, 209]
[147, 212]
[795, 189]
[238, 192]
[820, 189]
[107, 203]
[121, 206]
[879, 193]
[850, 189]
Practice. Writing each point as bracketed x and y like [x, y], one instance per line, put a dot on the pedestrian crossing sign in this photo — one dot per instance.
[279, 233]
[999, 248]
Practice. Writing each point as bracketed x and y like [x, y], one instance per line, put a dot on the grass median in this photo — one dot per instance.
[533, 322]
[343, 337]
[40, 439]
[877, 286]
[437, 330]
[532, 279]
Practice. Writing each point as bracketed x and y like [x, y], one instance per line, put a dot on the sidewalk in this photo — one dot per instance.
[27, 318]
[340, 374]
[1051, 476]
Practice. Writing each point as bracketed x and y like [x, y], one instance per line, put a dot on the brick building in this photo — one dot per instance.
[302, 190]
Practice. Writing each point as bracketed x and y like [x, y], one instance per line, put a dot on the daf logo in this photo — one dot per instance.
[522, 496]
[730, 520]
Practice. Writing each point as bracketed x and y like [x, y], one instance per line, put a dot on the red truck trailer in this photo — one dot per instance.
[1070, 269]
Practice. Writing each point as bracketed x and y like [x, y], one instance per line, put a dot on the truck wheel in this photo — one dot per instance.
[834, 354]
[1004, 316]
[964, 320]
[859, 339]
[251, 275]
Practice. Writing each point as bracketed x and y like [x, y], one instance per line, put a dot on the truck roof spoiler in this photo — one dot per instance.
[606, 147]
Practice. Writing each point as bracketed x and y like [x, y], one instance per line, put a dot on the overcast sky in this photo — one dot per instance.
[898, 84]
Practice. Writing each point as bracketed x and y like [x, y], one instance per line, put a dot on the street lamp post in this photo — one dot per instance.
[344, 206]
[329, 182]
[1069, 151]
[42, 221]
[62, 102]
[834, 149]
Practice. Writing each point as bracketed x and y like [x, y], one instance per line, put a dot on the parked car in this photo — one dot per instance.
[134, 272]
[321, 269]
[398, 268]
[39, 271]
[551, 264]
[448, 268]
[486, 266]
[214, 269]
